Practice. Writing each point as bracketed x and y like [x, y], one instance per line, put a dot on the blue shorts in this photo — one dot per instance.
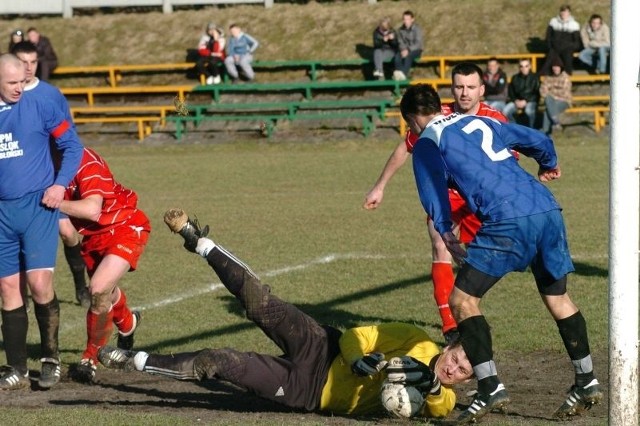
[28, 234]
[538, 241]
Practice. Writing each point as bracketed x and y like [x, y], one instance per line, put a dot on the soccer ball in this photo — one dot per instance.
[401, 400]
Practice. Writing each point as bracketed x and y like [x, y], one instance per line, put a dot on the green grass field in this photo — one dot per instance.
[293, 213]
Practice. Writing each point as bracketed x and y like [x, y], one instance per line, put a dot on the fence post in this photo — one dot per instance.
[167, 7]
[268, 4]
[67, 10]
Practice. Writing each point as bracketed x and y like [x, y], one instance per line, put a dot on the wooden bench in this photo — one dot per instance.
[444, 61]
[113, 73]
[307, 87]
[144, 127]
[92, 111]
[91, 92]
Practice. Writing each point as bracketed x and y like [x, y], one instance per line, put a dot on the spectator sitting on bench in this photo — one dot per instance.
[597, 42]
[385, 46]
[555, 92]
[240, 50]
[524, 91]
[211, 54]
[563, 39]
[495, 85]
[47, 58]
[410, 41]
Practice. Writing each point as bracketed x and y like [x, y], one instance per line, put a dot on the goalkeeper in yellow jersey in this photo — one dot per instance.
[321, 369]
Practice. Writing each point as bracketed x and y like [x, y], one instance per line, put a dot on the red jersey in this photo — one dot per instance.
[119, 204]
[448, 109]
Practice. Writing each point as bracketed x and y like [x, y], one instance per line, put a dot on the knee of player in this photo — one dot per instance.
[100, 302]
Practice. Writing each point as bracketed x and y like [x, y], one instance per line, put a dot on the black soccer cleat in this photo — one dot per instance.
[179, 222]
[483, 404]
[580, 399]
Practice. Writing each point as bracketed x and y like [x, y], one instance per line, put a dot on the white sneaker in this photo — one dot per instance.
[399, 75]
[210, 80]
[377, 73]
[217, 79]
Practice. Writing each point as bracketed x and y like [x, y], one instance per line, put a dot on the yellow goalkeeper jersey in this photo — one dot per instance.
[347, 393]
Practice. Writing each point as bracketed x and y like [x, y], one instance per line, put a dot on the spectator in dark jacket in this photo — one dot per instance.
[47, 59]
[563, 40]
[495, 85]
[410, 41]
[524, 91]
[385, 45]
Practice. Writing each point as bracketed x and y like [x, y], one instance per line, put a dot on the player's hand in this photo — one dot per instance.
[549, 174]
[412, 372]
[373, 199]
[53, 196]
[455, 247]
[369, 364]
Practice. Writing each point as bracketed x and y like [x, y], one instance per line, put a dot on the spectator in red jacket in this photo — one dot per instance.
[211, 51]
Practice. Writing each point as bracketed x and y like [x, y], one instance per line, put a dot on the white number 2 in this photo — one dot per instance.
[487, 140]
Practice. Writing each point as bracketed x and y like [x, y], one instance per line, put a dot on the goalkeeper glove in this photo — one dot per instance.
[369, 364]
[409, 371]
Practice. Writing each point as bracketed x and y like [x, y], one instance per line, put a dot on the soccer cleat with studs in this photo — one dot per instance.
[49, 373]
[126, 342]
[179, 222]
[580, 399]
[483, 404]
[11, 379]
[116, 358]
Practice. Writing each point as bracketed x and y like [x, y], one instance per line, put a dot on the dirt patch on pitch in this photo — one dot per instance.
[536, 383]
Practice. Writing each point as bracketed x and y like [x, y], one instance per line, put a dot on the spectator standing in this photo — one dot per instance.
[47, 59]
[524, 92]
[31, 192]
[385, 46]
[211, 54]
[596, 40]
[14, 38]
[26, 52]
[563, 40]
[410, 45]
[495, 85]
[239, 51]
[555, 92]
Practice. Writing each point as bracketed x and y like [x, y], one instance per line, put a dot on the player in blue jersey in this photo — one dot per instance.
[522, 227]
[30, 195]
[28, 54]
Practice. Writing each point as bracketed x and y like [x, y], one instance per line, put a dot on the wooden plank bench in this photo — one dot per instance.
[269, 121]
[92, 111]
[91, 92]
[307, 87]
[144, 123]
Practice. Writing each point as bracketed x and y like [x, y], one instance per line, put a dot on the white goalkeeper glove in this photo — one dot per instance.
[411, 372]
[369, 364]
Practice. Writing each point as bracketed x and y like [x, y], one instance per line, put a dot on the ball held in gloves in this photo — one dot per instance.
[401, 400]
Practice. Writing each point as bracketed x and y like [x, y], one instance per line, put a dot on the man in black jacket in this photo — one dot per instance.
[524, 92]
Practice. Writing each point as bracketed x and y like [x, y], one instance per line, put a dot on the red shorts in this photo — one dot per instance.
[126, 241]
[463, 217]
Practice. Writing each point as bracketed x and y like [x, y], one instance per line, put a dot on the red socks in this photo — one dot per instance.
[443, 279]
[122, 316]
[98, 332]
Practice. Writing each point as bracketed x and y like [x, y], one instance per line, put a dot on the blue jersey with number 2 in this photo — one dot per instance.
[471, 154]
